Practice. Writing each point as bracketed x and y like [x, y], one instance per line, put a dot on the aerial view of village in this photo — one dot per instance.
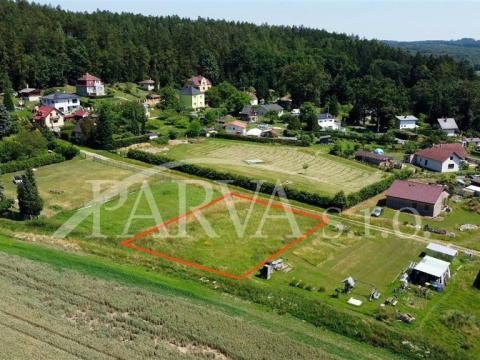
[239, 179]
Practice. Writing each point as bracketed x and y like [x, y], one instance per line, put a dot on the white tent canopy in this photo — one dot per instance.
[434, 267]
[442, 249]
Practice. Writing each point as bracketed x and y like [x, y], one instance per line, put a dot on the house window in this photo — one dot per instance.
[414, 205]
[427, 207]
[451, 157]
[451, 166]
[426, 162]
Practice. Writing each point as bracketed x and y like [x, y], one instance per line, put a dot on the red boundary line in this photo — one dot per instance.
[129, 242]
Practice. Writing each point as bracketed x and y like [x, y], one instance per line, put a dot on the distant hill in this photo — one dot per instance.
[463, 49]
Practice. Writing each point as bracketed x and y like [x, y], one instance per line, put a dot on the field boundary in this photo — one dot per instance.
[129, 243]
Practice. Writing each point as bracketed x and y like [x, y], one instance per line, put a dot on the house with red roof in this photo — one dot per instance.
[441, 157]
[52, 118]
[200, 82]
[236, 128]
[425, 199]
[89, 85]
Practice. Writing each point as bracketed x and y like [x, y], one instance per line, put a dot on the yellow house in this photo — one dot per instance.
[52, 118]
[192, 98]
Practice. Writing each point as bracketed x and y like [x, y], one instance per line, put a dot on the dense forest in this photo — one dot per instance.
[44, 46]
[463, 49]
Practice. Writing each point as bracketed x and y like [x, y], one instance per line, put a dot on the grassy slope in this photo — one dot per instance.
[189, 291]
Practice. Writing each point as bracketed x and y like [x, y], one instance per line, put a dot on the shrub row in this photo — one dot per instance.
[40, 160]
[119, 143]
[64, 148]
[269, 188]
[261, 139]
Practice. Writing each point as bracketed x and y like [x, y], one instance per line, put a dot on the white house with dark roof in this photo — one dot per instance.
[265, 109]
[147, 85]
[328, 122]
[448, 125]
[66, 103]
[405, 122]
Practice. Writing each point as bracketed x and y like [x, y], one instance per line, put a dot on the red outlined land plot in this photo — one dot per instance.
[322, 221]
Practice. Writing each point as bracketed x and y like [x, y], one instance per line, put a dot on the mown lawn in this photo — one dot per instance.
[293, 166]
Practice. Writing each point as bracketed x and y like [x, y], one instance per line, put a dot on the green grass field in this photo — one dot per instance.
[326, 174]
[320, 262]
[66, 185]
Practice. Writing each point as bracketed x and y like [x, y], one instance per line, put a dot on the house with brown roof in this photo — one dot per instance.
[152, 100]
[200, 82]
[30, 94]
[371, 158]
[426, 199]
[441, 157]
[147, 85]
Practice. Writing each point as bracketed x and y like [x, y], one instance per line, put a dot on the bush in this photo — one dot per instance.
[37, 161]
[68, 150]
[119, 143]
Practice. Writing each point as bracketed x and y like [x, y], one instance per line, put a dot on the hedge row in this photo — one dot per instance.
[119, 143]
[261, 139]
[37, 161]
[269, 188]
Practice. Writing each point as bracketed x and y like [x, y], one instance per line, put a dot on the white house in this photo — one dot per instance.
[30, 94]
[66, 103]
[236, 128]
[448, 125]
[147, 85]
[328, 122]
[441, 158]
[265, 109]
[89, 85]
[406, 122]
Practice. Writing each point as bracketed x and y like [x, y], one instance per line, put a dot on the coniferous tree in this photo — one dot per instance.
[8, 100]
[6, 122]
[5, 202]
[29, 200]
[104, 128]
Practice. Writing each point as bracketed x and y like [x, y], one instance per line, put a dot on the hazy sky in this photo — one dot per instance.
[381, 19]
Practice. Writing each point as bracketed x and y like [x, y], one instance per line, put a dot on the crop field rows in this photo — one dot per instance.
[70, 316]
[280, 163]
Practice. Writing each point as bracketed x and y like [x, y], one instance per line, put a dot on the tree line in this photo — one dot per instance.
[44, 46]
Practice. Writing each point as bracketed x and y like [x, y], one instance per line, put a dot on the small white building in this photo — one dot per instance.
[441, 158]
[256, 132]
[405, 122]
[448, 125]
[66, 103]
[30, 94]
[253, 99]
[441, 251]
[328, 122]
[147, 85]
[236, 128]
[430, 269]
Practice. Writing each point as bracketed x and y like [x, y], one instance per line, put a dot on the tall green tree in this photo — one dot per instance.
[6, 122]
[29, 201]
[5, 202]
[104, 128]
[8, 99]
[308, 116]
